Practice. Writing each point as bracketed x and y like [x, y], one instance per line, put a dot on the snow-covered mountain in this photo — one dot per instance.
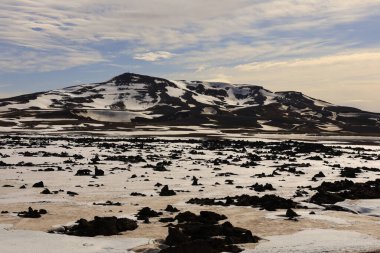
[130, 100]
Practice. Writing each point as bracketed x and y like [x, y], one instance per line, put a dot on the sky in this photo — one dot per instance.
[327, 49]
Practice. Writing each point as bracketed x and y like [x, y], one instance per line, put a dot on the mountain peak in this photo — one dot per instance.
[130, 99]
[129, 77]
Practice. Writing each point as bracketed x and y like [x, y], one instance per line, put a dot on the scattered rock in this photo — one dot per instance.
[261, 188]
[46, 191]
[166, 220]
[267, 202]
[291, 214]
[172, 209]
[83, 172]
[332, 192]
[195, 233]
[138, 194]
[166, 192]
[350, 172]
[108, 203]
[99, 172]
[39, 185]
[195, 181]
[31, 213]
[146, 212]
[105, 226]
[319, 174]
[71, 193]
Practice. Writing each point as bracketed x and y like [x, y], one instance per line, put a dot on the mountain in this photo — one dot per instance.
[131, 100]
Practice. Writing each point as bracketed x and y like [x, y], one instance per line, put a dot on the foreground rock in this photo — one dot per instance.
[202, 233]
[105, 226]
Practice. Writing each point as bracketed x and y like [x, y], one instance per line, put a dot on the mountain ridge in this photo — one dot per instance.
[132, 99]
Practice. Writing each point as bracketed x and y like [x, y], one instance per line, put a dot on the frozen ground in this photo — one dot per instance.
[25, 158]
[14, 241]
[318, 240]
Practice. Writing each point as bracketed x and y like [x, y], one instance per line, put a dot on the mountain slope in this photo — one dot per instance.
[131, 99]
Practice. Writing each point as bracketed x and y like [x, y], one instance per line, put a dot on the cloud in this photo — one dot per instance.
[166, 25]
[15, 59]
[350, 79]
[234, 53]
[153, 56]
[283, 44]
[325, 61]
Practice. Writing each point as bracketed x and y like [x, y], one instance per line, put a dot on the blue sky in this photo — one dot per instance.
[328, 49]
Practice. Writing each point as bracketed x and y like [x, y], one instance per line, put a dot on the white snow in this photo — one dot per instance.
[174, 92]
[322, 216]
[266, 127]
[209, 110]
[330, 127]
[316, 241]
[363, 206]
[270, 97]
[16, 241]
[114, 116]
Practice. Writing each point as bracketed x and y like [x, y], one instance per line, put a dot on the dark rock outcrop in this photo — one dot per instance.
[31, 213]
[165, 191]
[267, 202]
[146, 213]
[202, 233]
[333, 192]
[39, 185]
[105, 226]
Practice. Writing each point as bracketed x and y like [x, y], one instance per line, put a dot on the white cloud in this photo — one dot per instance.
[350, 79]
[49, 25]
[14, 59]
[153, 56]
[325, 61]
[282, 44]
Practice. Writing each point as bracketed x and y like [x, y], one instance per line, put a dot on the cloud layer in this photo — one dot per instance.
[290, 43]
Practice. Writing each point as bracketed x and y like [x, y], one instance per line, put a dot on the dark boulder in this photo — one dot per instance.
[195, 181]
[350, 172]
[31, 213]
[99, 172]
[83, 172]
[261, 188]
[46, 191]
[39, 185]
[186, 217]
[172, 209]
[165, 191]
[333, 192]
[146, 213]
[202, 233]
[211, 217]
[319, 174]
[166, 220]
[71, 193]
[291, 214]
[267, 202]
[105, 226]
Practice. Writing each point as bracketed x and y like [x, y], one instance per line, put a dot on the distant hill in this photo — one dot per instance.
[131, 99]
